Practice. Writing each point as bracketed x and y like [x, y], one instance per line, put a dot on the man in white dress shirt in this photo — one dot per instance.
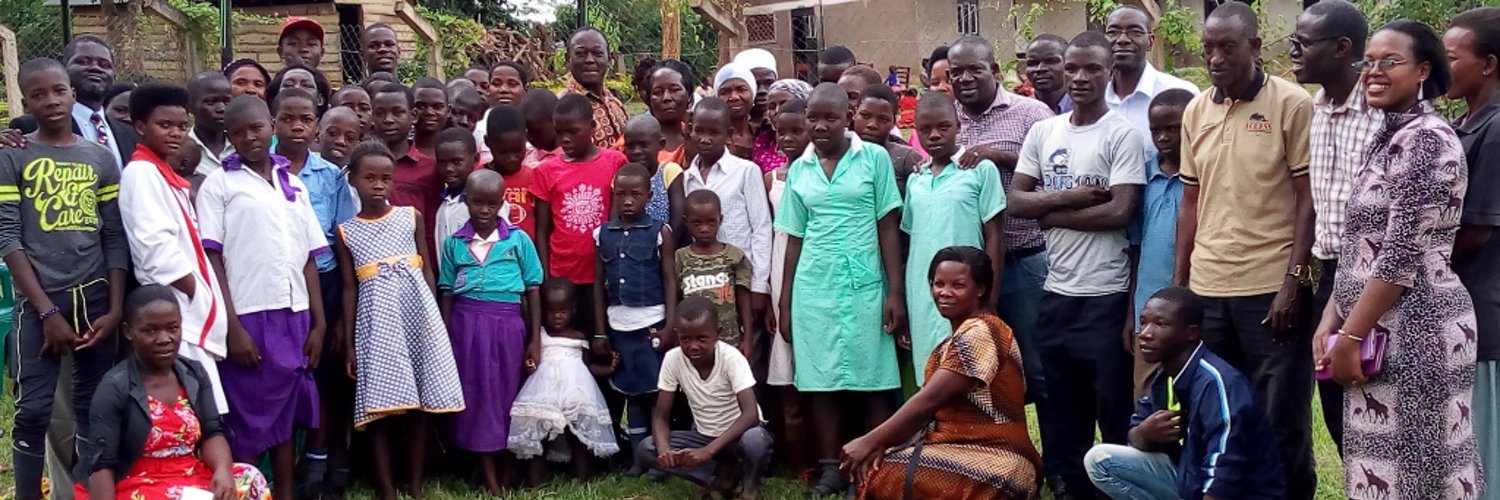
[1135, 82]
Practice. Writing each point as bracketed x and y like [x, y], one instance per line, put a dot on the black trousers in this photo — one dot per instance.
[1329, 392]
[1282, 374]
[1088, 377]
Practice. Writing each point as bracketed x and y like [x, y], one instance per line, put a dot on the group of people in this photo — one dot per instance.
[730, 284]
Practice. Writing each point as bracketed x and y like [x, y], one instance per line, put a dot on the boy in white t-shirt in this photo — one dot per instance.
[728, 441]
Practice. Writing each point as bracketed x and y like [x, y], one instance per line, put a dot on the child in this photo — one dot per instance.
[186, 165]
[455, 161]
[842, 202]
[790, 122]
[487, 268]
[561, 396]
[737, 181]
[61, 233]
[507, 85]
[465, 109]
[1154, 233]
[572, 199]
[875, 122]
[637, 280]
[716, 271]
[263, 244]
[1199, 410]
[398, 351]
[539, 106]
[506, 137]
[416, 183]
[946, 206]
[429, 113]
[643, 144]
[338, 132]
[718, 384]
[357, 100]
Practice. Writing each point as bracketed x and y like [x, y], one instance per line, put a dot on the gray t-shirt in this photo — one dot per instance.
[60, 205]
[1061, 155]
[1481, 272]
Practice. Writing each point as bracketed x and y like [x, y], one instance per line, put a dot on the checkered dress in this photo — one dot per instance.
[403, 360]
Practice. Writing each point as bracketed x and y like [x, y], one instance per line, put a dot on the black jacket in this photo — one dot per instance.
[125, 137]
[119, 424]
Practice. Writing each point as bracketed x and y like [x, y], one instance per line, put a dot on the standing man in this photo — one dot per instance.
[1329, 37]
[1044, 68]
[91, 70]
[1136, 82]
[379, 49]
[1245, 229]
[834, 62]
[588, 64]
[300, 42]
[209, 94]
[993, 127]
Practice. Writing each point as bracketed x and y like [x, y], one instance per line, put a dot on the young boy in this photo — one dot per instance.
[506, 138]
[357, 100]
[572, 199]
[538, 106]
[875, 122]
[430, 111]
[1198, 432]
[643, 144]
[728, 442]
[465, 108]
[716, 271]
[455, 161]
[186, 165]
[338, 133]
[416, 182]
[1154, 233]
[263, 244]
[742, 195]
[1080, 174]
[61, 234]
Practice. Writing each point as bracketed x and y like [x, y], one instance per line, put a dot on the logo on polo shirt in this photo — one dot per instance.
[1258, 124]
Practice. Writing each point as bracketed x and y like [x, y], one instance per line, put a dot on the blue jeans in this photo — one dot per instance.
[1019, 304]
[1125, 473]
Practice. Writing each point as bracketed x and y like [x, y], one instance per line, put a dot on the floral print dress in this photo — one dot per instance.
[169, 466]
[1409, 431]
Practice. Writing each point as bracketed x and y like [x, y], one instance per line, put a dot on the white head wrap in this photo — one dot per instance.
[733, 71]
[756, 58]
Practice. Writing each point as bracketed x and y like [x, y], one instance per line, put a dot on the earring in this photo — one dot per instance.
[1421, 87]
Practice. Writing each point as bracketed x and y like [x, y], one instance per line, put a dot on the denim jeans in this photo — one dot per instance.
[1019, 304]
[1125, 473]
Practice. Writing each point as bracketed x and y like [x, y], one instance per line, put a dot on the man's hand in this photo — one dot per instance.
[102, 328]
[242, 349]
[1162, 427]
[1082, 196]
[972, 156]
[1283, 314]
[58, 337]
[12, 138]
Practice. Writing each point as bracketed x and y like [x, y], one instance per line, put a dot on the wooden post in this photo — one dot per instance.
[732, 36]
[671, 29]
[428, 33]
[12, 63]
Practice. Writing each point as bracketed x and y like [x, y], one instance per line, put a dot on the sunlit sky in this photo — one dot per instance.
[537, 10]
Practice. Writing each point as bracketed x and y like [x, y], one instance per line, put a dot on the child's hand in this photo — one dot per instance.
[533, 356]
[667, 458]
[693, 458]
[614, 361]
[349, 365]
[746, 347]
[600, 346]
[242, 349]
[312, 349]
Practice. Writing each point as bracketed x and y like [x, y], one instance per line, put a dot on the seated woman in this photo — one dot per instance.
[969, 420]
[154, 430]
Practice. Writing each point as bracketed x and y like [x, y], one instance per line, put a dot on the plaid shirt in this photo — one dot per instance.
[1340, 138]
[1004, 126]
[609, 113]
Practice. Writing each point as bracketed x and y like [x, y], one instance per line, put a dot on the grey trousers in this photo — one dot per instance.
[753, 452]
[61, 435]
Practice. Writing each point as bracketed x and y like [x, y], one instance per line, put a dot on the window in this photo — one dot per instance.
[968, 17]
[761, 28]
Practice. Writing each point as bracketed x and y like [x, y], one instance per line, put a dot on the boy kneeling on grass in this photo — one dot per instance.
[728, 441]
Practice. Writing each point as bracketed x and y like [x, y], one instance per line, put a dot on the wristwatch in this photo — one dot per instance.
[1302, 272]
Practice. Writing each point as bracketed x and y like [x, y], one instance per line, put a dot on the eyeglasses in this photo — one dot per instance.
[1299, 44]
[1383, 64]
[1114, 33]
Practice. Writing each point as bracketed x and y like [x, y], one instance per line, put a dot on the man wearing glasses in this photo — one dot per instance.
[1135, 82]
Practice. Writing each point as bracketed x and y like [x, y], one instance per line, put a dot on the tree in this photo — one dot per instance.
[634, 27]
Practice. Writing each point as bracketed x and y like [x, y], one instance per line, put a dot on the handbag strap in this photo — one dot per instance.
[911, 469]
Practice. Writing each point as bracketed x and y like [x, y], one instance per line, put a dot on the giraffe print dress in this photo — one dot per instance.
[1408, 432]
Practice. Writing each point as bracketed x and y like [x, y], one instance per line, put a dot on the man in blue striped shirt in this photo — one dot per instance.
[1199, 433]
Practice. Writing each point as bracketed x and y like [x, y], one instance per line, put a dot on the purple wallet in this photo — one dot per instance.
[1371, 354]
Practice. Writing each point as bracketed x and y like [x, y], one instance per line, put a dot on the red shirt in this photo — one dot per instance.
[579, 195]
[522, 203]
[418, 185]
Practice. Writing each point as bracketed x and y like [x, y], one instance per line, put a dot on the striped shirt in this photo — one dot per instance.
[1341, 137]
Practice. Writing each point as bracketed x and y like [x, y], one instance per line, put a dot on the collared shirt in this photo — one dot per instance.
[1155, 232]
[451, 215]
[417, 185]
[83, 117]
[1004, 126]
[332, 200]
[747, 211]
[609, 113]
[1340, 137]
[209, 162]
[266, 232]
[1064, 105]
[481, 131]
[1137, 105]
[1479, 131]
[1245, 155]
[497, 268]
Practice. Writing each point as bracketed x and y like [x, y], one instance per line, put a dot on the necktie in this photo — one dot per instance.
[98, 121]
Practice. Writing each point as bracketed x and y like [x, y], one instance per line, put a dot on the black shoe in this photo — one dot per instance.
[831, 482]
[311, 474]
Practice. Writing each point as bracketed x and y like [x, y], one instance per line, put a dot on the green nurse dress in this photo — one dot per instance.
[838, 294]
[943, 210]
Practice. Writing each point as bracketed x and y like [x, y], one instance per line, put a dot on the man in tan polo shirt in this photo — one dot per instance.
[1245, 230]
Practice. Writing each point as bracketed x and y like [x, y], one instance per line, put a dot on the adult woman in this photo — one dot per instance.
[765, 152]
[974, 401]
[735, 84]
[1473, 43]
[670, 99]
[247, 77]
[305, 78]
[154, 426]
[1394, 286]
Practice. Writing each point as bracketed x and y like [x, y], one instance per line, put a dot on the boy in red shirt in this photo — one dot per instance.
[506, 138]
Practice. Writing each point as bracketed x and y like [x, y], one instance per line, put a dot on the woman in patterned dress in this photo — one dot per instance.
[1408, 431]
[966, 427]
[155, 429]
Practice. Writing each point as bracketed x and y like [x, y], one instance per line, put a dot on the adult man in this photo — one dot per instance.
[209, 92]
[91, 71]
[1044, 68]
[834, 61]
[993, 126]
[300, 42]
[1245, 229]
[1081, 175]
[379, 49]
[1328, 38]
[588, 62]
[1136, 82]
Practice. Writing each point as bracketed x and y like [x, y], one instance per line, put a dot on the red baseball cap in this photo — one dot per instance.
[296, 22]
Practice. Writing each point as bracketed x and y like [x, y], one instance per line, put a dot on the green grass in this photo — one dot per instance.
[1330, 474]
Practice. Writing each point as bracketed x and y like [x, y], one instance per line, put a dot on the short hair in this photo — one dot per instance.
[395, 88]
[520, 67]
[347, 89]
[640, 77]
[1172, 98]
[197, 82]
[794, 106]
[243, 104]
[289, 94]
[704, 197]
[696, 308]
[976, 41]
[41, 64]
[1049, 38]
[1483, 22]
[825, 90]
[1426, 47]
[428, 82]
[569, 44]
[865, 73]
[1135, 8]
[634, 171]
[1189, 305]
[1241, 12]
[236, 65]
[682, 69]
[1089, 40]
[146, 295]
[121, 88]
[460, 135]
[381, 76]
[503, 119]
[320, 81]
[938, 54]
[1343, 19]
[367, 148]
[375, 26]
[553, 284]
[940, 100]
[717, 105]
[837, 54]
[146, 98]
[71, 49]
[980, 268]
[538, 104]
[574, 105]
[882, 92]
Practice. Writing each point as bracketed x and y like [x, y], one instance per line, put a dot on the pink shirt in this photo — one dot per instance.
[579, 195]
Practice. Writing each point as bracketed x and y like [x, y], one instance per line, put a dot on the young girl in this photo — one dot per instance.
[399, 353]
[790, 122]
[488, 266]
[561, 396]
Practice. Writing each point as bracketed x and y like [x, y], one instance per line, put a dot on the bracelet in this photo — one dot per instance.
[49, 313]
[1350, 336]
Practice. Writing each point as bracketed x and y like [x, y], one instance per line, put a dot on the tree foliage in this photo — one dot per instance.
[633, 28]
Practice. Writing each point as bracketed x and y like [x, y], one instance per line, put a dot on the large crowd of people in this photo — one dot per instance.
[256, 268]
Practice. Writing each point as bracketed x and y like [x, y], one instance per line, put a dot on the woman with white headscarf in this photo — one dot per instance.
[735, 84]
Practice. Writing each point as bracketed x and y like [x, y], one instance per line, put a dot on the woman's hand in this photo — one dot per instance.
[1327, 328]
[1344, 357]
[222, 485]
[861, 457]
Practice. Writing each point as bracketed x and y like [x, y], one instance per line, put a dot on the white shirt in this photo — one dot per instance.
[1137, 105]
[713, 400]
[481, 130]
[265, 239]
[210, 162]
[84, 118]
[452, 214]
[746, 210]
[481, 245]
